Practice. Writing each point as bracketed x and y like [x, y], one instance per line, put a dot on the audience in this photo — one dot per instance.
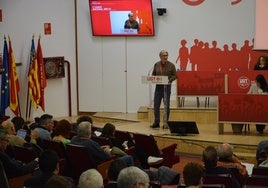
[62, 131]
[260, 149]
[59, 182]
[114, 169]
[45, 127]
[19, 123]
[99, 153]
[210, 159]
[13, 168]
[265, 162]
[193, 175]
[132, 177]
[108, 131]
[91, 179]
[227, 158]
[13, 139]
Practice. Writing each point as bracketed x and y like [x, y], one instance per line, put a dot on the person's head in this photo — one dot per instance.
[84, 129]
[3, 139]
[225, 151]
[63, 128]
[49, 162]
[210, 157]
[163, 54]
[84, 118]
[59, 182]
[131, 16]
[46, 121]
[263, 61]
[9, 126]
[90, 178]
[132, 177]
[18, 122]
[114, 169]
[108, 130]
[261, 82]
[193, 174]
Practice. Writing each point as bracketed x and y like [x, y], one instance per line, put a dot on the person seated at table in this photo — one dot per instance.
[259, 87]
[262, 63]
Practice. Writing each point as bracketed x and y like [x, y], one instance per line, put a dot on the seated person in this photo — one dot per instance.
[193, 175]
[227, 158]
[59, 182]
[12, 135]
[108, 131]
[13, 168]
[210, 159]
[265, 162]
[62, 131]
[99, 153]
[90, 178]
[132, 177]
[48, 166]
[260, 148]
[45, 127]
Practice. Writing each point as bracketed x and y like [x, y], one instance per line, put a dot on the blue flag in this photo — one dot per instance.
[5, 81]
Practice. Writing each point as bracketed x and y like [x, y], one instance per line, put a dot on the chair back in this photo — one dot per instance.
[224, 179]
[57, 146]
[3, 178]
[79, 159]
[124, 136]
[257, 170]
[257, 180]
[147, 143]
[237, 175]
[24, 154]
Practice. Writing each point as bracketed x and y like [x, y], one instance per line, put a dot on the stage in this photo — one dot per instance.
[244, 143]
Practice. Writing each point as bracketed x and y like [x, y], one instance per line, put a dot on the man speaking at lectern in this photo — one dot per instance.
[163, 68]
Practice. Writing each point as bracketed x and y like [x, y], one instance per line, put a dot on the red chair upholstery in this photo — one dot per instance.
[257, 180]
[148, 144]
[224, 179]
[57, 146]
[24, 154]
[257, 170]
[81, 160]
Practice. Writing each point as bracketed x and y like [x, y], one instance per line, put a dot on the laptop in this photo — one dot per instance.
[22, 133]
[182, 128]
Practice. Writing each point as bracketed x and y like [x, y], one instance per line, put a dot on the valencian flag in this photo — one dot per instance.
[33, 78]
[14, 86]
[5, 81]
[42, 74]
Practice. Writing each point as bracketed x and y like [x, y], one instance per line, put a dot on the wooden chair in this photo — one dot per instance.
[148, 144]
[257, 170]
[257, 180]
[224, 179]
[81, 160]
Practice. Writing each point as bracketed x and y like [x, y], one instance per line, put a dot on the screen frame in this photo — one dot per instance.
[113, 12]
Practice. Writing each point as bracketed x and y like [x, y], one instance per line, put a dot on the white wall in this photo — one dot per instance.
[102, 61]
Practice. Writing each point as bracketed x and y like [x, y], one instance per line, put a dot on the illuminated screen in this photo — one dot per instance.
[121, 17]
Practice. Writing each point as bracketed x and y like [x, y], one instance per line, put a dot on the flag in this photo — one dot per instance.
[4, 81]
[42, 74]
[33, 78]
[14, 86]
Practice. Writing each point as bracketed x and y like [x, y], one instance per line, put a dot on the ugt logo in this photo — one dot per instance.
[243, 82]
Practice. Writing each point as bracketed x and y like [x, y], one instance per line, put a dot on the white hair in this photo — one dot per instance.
[90, 178]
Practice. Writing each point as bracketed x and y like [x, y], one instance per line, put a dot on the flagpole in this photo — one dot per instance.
[28, 106]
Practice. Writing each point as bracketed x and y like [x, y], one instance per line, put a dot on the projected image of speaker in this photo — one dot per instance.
[183, 128]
